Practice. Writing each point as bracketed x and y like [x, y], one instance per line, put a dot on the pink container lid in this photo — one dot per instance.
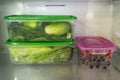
[94, 43]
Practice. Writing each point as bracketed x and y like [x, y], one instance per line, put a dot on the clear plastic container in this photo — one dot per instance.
[95, 51]
[40, 27]
[40, 52]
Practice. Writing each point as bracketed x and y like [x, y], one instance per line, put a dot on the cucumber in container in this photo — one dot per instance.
[40, 52]
[40, 27]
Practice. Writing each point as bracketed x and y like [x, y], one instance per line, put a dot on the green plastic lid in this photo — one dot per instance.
[40, 17]
[42, 43]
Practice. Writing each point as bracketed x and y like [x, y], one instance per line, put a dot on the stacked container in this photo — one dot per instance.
[95, 51]
[40, 38]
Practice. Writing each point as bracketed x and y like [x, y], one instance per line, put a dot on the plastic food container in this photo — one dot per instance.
[40, 27]
[40, 52]
[95, 51]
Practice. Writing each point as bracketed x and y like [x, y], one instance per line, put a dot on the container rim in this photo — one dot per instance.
[42, 43]
[104, 44]
[40, 17]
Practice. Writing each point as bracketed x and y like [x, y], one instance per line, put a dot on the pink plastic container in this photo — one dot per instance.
[95, 51]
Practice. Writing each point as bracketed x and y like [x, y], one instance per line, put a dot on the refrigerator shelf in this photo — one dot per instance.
[70, 71]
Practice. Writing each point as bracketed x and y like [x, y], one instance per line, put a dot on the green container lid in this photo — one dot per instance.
[42, 43]
[40, 17]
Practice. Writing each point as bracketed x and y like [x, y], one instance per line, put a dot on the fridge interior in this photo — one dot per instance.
[95, 18]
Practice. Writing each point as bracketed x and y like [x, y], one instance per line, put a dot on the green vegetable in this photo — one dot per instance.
[69, 35]
[58, 28]
[39, 24]
[40, 31]
[39, 39]
[32, 25]
[19, 37]
[40, 54]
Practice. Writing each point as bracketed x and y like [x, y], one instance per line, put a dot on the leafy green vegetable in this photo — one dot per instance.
[39, 24]
[69, 35]
[57, 28]
[30, 24]
[40, 31]
[39, 39]
[18, 37]
[40, 54]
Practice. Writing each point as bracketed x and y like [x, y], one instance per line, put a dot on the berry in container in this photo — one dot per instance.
[40, 27]
[40, 52]
[95, 51]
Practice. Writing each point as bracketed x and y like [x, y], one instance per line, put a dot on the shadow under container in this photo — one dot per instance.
[40, 27]
[40, 52]
[95, 51]
[116, 60]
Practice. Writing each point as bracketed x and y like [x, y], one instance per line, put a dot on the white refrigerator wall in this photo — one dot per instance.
[94, 17]
[116, 25]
